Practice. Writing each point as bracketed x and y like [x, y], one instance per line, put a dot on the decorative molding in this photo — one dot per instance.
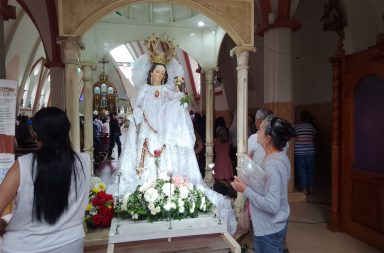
[238, 49]
[236, 17]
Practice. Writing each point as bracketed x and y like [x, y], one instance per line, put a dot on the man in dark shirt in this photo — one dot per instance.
[114, 135]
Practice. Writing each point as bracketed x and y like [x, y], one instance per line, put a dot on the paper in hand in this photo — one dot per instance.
[254, 176]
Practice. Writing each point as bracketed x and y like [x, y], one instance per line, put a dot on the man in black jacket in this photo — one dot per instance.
[114, 135]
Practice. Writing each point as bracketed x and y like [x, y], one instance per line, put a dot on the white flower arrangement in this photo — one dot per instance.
[157, 199]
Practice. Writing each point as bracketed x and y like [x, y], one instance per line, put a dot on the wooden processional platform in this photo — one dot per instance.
[190, 235]
[188, 244]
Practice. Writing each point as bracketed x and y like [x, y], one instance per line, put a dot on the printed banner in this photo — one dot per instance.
[8, 90]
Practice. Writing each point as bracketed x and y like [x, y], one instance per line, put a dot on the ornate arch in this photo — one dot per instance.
[236, 17]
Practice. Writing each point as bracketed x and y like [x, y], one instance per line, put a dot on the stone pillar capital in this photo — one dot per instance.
[210, 69]
[86, 65]
[71, 49]
[241, 49]
[71, 40]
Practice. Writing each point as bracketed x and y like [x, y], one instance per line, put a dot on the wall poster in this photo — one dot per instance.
[8, 91]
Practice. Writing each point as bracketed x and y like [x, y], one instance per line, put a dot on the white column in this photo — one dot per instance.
[277, 66]
[88, 109]
[71, 50]
[210, 113]
[57, 93]
[242, 55]
[278, 86]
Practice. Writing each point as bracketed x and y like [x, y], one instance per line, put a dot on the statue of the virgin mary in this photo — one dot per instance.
[160, 136]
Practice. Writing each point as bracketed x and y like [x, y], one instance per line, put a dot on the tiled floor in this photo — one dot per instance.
[307, 231]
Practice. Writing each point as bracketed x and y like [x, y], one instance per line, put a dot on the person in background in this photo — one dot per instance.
[305, 151]
[255, 150]
[199, 143]
[223, 163]
[251, 125]
[270, 212]
[50, 188]
[97, 134]
[105, 126]
[23, 133]
[114, 136]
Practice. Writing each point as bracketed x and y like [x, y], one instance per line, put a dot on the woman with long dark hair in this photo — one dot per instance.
[50, 188]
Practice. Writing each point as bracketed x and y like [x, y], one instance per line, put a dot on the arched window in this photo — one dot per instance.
[103, 88]
[96, 90]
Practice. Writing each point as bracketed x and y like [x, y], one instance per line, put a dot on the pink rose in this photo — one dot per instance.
[177, 180]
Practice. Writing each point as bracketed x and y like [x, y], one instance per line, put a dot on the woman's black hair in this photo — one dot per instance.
[280, 131]
[53, 165]
[154, 65]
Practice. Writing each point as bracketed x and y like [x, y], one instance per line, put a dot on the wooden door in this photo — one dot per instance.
[362, 149]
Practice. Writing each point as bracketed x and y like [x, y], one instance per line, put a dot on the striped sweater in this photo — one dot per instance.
[304, 142]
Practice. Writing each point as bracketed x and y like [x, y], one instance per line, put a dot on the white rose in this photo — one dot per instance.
[151, 195]
[125, 202]
[135, 217]
[180, 202]
[202, 202]
[181, 209]
[153, 211]
[168, 189]
[183, 192]
[169, 206]
[151, 206]
[164, 176]
[191, 210]
[145, 186]
[158, 209]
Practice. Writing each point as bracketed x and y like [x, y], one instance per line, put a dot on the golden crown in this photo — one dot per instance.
[161, 49]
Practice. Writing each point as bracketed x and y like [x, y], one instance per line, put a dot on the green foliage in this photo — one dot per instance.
[186, 99]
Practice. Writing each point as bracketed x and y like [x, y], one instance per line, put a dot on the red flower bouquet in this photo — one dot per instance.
[99, 212]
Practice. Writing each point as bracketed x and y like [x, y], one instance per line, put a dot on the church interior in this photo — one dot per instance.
[321, 56]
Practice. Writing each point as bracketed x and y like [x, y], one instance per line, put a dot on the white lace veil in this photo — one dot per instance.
[142, 66]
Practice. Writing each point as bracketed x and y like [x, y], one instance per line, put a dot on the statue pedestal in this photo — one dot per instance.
[202, 234]
[130, 231]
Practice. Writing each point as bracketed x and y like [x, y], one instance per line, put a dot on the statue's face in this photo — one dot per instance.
[158, 74]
